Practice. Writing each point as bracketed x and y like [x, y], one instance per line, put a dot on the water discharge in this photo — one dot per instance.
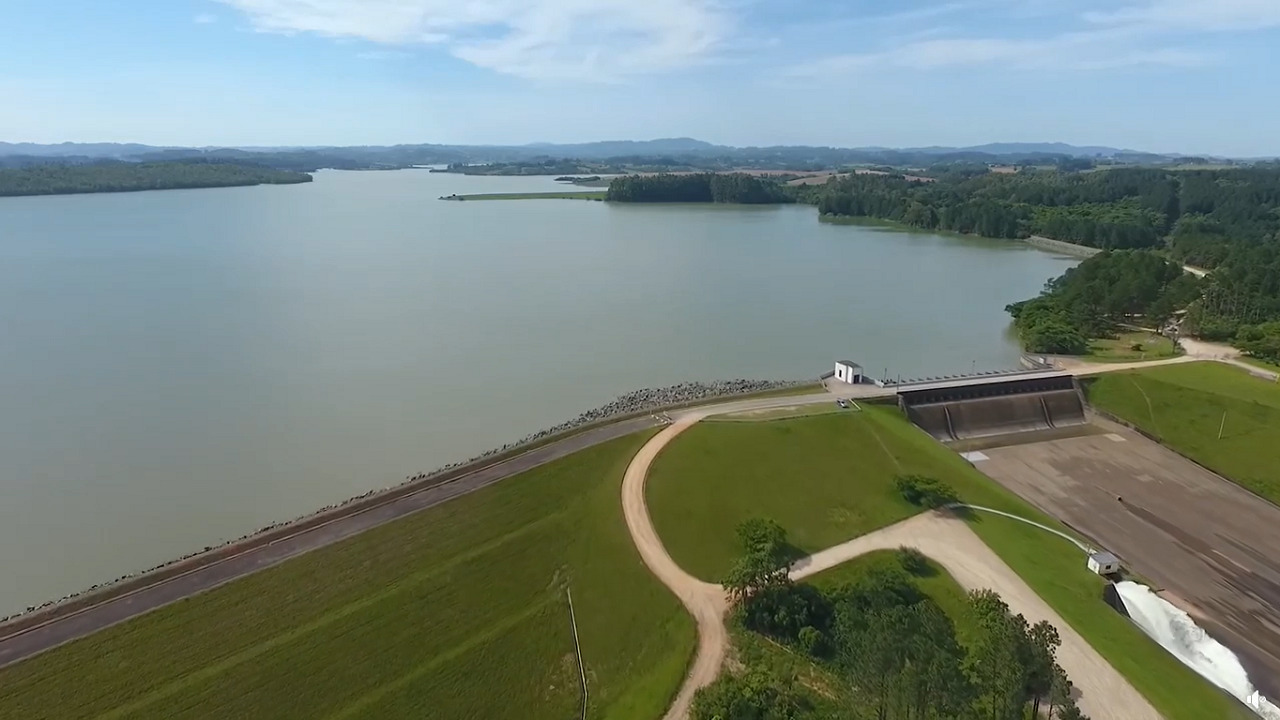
[1176, 632]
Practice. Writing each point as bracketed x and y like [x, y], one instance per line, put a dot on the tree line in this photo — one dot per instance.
[892, 646]
[1137, 287]
[126, 177]
[696, 187]
[1227, 221]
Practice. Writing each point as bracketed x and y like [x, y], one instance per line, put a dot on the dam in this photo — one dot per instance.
[970, 407]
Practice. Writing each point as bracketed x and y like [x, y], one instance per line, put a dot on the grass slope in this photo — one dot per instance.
[827, 479]
[1183, 406]
[457, 611]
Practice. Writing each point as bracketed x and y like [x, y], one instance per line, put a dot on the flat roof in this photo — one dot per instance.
[1103, 557]
[849, 363]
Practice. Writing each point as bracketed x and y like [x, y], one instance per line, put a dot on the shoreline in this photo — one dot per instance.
[627, 406]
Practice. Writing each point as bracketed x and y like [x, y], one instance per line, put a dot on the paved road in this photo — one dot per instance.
[92, 619]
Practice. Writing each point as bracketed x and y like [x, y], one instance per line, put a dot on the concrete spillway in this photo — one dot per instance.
[964, 412]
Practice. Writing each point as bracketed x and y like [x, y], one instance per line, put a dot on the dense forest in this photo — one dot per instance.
[697, 187]
[894, 648]
[1137, 287]
[126, 177]
[1227, 221]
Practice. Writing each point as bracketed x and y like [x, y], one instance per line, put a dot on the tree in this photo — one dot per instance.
[1042, 643]
[764, 562]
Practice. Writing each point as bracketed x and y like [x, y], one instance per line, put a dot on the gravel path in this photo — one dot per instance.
[1105, 694]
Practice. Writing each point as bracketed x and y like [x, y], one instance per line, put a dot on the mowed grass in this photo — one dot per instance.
[827, 479]
[457, 611]
[1184, 406]
[1121, 347]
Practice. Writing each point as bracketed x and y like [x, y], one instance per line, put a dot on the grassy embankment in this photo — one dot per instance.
[829, 478]
[458, 611]
[831, 694]
[556, 195]
[1131, 346]
[1184, 407]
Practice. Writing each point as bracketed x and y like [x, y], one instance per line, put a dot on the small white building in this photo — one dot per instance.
[1104, 563]
[849, 372]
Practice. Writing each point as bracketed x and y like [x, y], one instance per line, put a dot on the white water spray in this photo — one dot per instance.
[1176, 632]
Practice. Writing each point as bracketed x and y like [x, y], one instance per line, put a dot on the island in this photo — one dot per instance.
[54, 179]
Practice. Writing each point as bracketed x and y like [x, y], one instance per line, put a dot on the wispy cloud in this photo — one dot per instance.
[1147, 33]
[1194, 15]
[1073, 51]
[205, 19]
[580, 39]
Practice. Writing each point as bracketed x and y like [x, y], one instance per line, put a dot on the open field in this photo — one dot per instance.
[1175, 523]
[554, 195]
[1121, 347]
[829, 478]
[430, 611]
[1184, 406]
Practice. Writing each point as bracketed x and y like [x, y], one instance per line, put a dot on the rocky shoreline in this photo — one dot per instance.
[632, 403]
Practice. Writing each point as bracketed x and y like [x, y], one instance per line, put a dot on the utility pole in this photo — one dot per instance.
[1223, 424]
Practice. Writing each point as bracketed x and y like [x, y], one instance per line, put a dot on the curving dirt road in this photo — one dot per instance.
[1105, 694]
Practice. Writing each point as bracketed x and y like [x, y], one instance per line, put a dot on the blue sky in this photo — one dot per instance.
[1164, 75]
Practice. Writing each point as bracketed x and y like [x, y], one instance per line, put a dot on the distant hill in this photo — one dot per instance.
[659, 153]
[1042, 148]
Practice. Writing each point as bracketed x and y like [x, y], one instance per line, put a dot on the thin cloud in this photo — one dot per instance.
[1194, 15]
[1069, 51]
[577, 39]
[205, 19]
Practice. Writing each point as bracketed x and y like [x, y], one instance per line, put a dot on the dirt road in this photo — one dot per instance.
[1105, 694]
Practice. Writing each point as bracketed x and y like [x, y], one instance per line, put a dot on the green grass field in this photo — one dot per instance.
[827, 479]
[1185, 405]
[1121, 347]
[555, 195]
[457, 611]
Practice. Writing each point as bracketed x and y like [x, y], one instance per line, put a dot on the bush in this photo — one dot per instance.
[811, 641]
[913, 561]
[925, 491]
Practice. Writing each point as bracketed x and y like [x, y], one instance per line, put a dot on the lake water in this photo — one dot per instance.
[182, 367]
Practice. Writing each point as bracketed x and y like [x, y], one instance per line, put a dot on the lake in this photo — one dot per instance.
[181, 367]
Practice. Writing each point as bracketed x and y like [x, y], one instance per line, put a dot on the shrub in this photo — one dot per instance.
[925, 491]
[811, 641]
[913, 561]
